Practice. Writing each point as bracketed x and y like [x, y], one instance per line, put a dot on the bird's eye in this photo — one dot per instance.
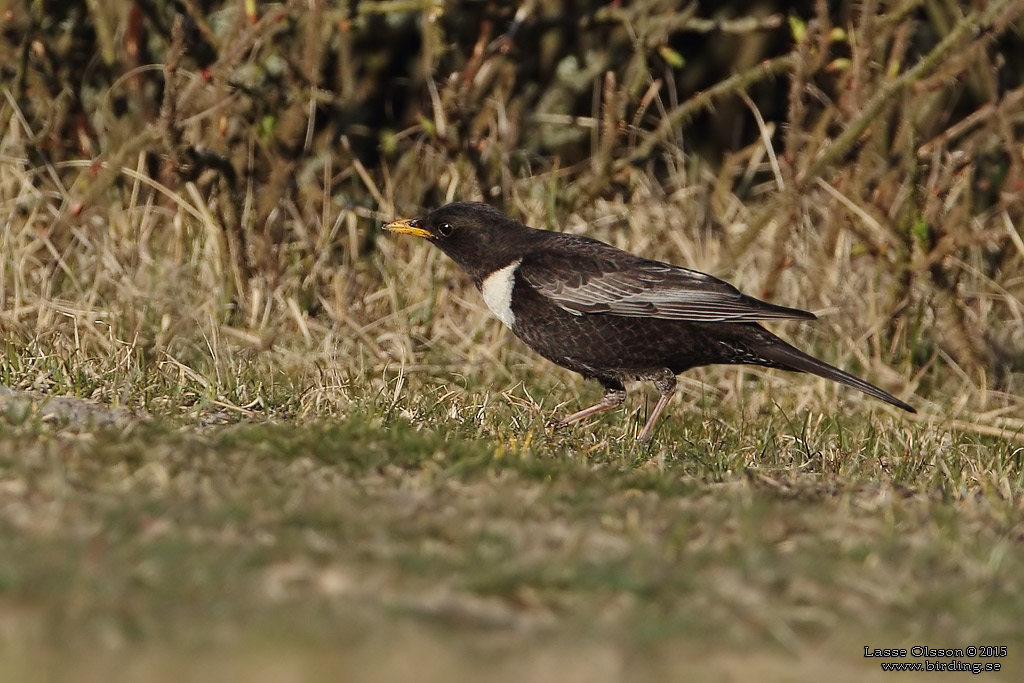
[445, 229]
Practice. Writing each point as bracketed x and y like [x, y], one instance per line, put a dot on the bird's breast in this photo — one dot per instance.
[496, 289]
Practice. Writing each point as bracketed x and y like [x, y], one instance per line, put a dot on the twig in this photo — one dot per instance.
[887, 94]
[1010, 101]
[704, 100]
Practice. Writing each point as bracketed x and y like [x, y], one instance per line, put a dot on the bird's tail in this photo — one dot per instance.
[778, 354]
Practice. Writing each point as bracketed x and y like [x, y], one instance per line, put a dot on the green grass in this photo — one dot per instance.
[787, 537]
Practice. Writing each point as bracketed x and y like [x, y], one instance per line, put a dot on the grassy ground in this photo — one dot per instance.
[405, 538]
[244, 436]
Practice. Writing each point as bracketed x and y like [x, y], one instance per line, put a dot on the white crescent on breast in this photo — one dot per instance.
[497, 292]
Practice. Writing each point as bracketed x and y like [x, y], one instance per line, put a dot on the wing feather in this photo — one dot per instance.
[602, 279]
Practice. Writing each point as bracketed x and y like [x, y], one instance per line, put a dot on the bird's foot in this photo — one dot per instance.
[613, 397]
[555, 424]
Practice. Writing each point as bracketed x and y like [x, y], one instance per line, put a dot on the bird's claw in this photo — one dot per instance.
[555, 424]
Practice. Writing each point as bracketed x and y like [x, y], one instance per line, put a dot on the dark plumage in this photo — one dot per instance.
[610, 315]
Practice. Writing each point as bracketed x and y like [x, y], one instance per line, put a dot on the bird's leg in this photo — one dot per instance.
[667, 386]
[614, 395]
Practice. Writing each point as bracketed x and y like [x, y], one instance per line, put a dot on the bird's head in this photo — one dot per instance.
[478, 237]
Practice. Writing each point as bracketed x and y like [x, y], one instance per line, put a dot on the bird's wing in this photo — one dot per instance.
[603, 279]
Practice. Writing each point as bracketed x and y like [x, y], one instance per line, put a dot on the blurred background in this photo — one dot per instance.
[189, 185]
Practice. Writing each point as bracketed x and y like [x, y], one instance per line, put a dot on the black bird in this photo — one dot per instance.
[610, 315]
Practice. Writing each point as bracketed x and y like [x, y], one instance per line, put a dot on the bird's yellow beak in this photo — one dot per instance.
[407, 226]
